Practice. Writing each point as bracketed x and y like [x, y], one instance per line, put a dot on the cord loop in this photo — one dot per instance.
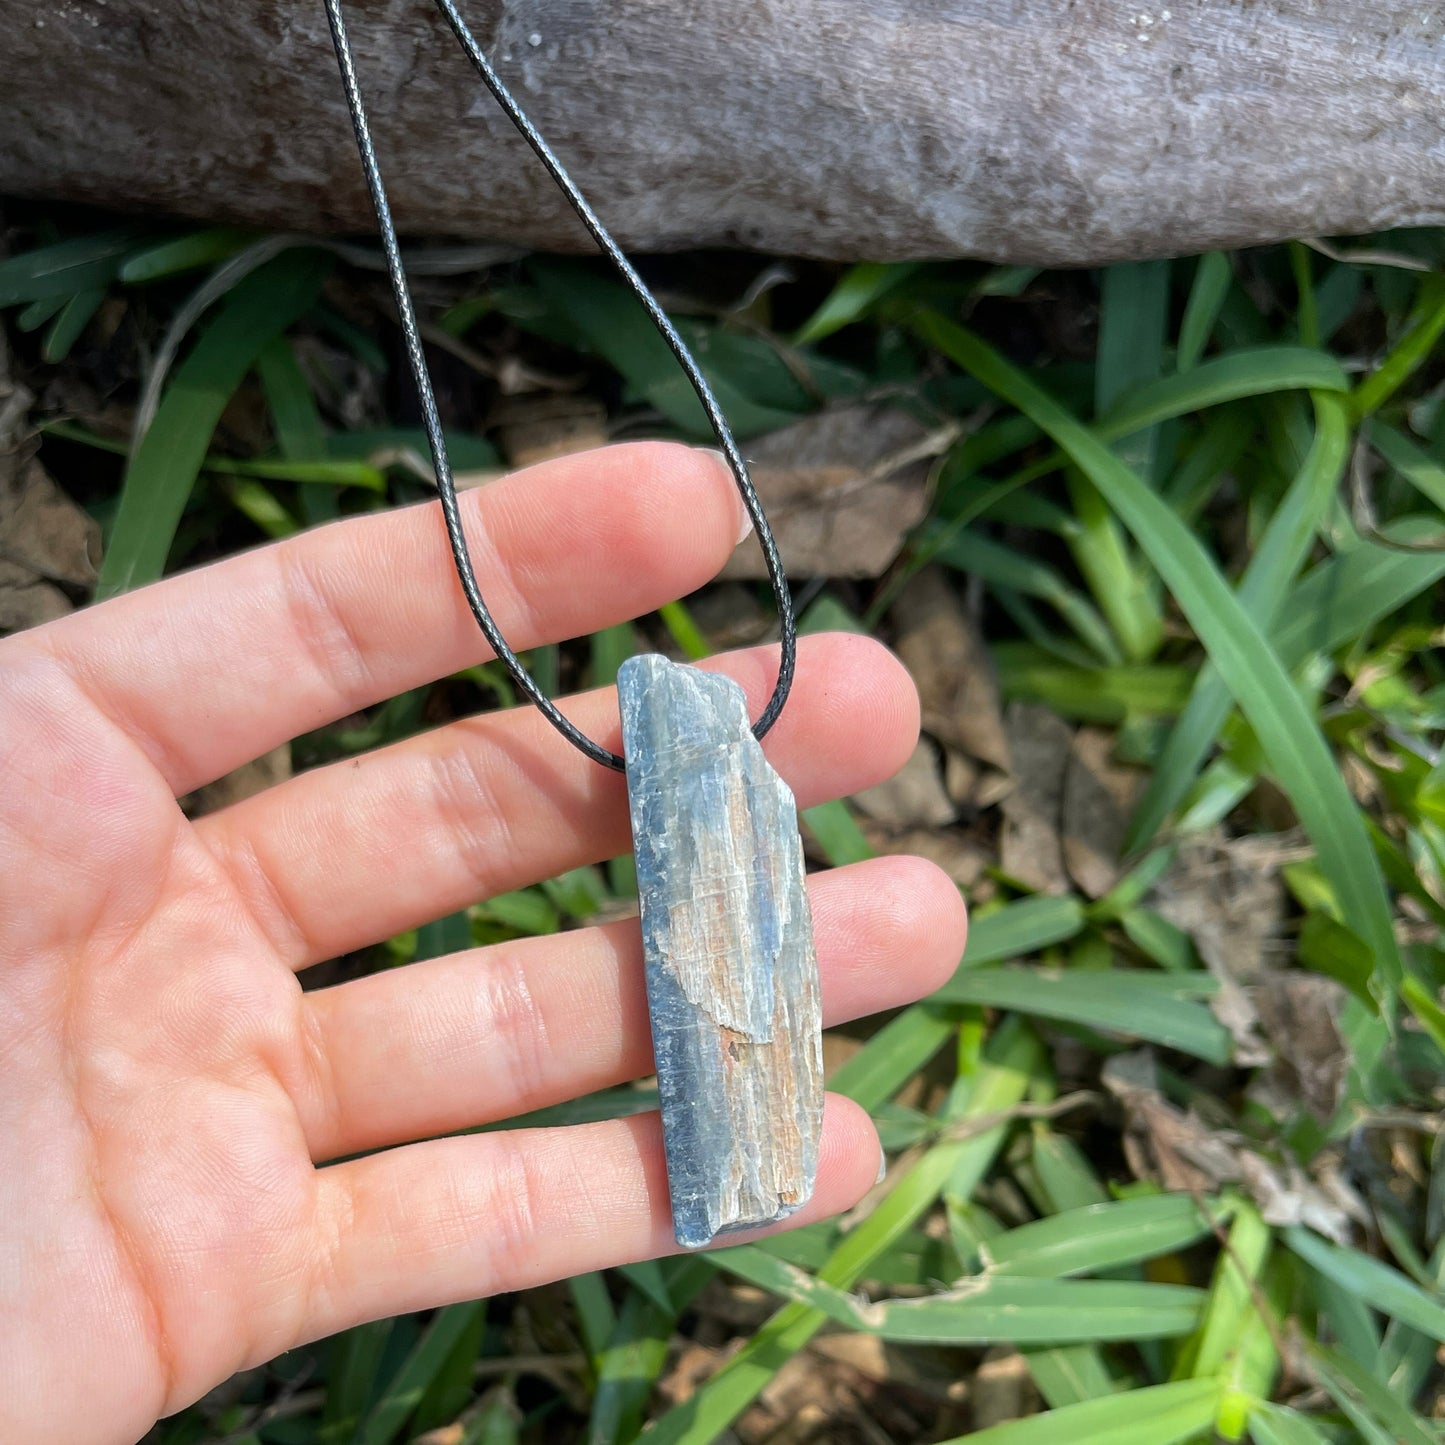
[446, 485]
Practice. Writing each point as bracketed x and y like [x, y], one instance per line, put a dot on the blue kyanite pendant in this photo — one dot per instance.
[732, 980]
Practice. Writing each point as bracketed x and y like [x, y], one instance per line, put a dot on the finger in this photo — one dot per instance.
[358, 851]
[493, 1033]
[212, 668]
[457, 1219]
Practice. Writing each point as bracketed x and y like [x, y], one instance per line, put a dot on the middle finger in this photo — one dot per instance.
[353, 853]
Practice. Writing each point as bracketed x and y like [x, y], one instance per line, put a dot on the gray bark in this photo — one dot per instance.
[1051, 131]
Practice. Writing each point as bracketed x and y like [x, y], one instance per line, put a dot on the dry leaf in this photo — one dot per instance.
[1226, 893]
[1288, 1196]
[27, 600]
[958, 853]
[1181, 1151]
[1300, 1014]
[1003, 1388]
[1099, 796]
[875, 1359]
[914, 797]
[45, 539]
[1031, 849]
[43, 530]
[1163, 1143]
[841, 489]
[538, 427]
[694, 1364]
[950, 664]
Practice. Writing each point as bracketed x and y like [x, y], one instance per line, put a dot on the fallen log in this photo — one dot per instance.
[1048, 131]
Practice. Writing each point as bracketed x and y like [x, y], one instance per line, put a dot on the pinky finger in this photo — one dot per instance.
[460, 1218]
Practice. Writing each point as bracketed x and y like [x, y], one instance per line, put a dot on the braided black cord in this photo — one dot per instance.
[446, 486]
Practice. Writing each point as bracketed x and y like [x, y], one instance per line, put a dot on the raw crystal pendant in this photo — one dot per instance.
[732, 980]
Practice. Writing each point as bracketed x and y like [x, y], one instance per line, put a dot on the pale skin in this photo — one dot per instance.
[172, 1099]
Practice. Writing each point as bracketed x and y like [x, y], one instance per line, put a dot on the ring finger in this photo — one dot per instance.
[492, 1033]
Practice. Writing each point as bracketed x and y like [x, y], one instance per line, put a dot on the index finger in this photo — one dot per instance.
[212, 668]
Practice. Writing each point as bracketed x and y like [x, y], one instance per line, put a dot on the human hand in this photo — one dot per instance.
[169, 1090]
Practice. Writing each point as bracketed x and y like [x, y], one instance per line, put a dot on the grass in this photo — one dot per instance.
[1197, 503]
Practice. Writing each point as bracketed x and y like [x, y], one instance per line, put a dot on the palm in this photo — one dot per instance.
[170, 1089]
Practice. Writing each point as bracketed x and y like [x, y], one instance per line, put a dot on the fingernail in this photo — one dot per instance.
[882, 1166]
[745, 529]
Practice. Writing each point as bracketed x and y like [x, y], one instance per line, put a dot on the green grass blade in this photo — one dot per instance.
[1295, 748]
[163, 470]
[1156, 1415]
[1162, 1008]
[684, 631]
[182, 253]
[1069, 1374]
[1230, 1317]
[594, 1311]
[1277, 1425]
[858, 290]
[610, 649]
[300, 435]
[1371, 1281]
[639, 1350]
[1001, 566]
[38, 312]
[1250, 371]
[1414, 463]
[1407, 1356]
[407, 1389]
[1270, 573]
[1410, 352]
[632, 1360]
[1102, 1236]
[987, 1310]
[1252, 1367]
[1372, 1409]
[1353, 1324]
[321, 474]
[894, 1054]
[1133, 319]
[67, 327]
[1222, 440]
[1302, 265]
[836, 832]
[1206, 295]
[648, 1277]
[1064, 1172]
[65, 268]
[1342, 598]
[1120, 585]
[351, 1380]
[1090, 694]
[259, 504]
[1021, 928]
[610, 322]
[497, 1421]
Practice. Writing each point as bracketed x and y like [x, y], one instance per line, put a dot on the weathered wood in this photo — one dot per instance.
[1056, 131]
[732, 981]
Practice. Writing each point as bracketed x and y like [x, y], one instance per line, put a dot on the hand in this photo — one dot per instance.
[169, 1090]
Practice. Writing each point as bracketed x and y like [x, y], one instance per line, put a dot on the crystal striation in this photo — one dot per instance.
[732, 980]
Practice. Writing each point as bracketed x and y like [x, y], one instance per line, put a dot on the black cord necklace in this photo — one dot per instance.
[446, 486]
[732, 979]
